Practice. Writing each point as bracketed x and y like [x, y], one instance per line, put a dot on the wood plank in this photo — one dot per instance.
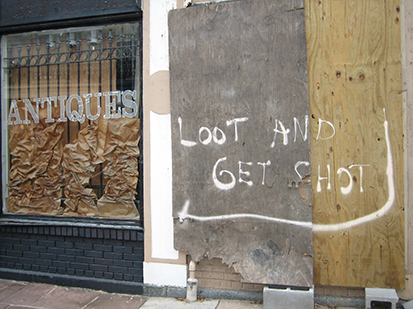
[240, 146]
[356, 142]
[407, 8]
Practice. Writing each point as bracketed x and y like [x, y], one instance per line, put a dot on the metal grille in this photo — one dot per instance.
[74, 61]
[40, 50]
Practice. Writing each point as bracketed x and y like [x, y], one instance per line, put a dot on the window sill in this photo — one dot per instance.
[31, 220]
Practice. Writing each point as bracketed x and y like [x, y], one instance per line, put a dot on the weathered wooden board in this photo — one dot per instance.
[356, 142]
[407, 67]
[240, 138]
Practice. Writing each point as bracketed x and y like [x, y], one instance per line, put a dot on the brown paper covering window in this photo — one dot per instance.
[42, 167]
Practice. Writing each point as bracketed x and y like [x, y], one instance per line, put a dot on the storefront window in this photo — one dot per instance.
[70, 119]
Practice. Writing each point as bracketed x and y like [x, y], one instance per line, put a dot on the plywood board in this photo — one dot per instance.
[407, 34]
[240, 138]
[356, 142]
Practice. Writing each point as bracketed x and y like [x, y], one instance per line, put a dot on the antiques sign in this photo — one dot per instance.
[112, 103]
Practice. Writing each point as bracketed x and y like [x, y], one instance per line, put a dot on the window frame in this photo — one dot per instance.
[103, 20]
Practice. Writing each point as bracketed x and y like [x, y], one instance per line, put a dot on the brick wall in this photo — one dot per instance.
[216, 275]
[114, 254]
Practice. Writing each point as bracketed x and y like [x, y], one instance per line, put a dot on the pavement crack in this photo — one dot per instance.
[85, 306]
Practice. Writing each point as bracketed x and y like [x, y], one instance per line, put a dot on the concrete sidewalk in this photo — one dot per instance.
[28, 295]
[24, 295]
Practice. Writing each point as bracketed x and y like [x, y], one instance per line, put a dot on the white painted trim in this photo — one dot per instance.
[4, 127]
[159, 42]
[162, 274]
[161, 187]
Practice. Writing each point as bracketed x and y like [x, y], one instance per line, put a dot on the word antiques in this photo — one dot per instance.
[117, 104]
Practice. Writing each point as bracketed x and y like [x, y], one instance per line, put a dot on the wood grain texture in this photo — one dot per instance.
[407, 34]
[242, 60]
[354, 71]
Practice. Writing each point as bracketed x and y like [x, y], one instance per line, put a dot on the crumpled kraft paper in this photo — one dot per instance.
[35, 172]
[113, 142]
[121, 170]
[42, 165]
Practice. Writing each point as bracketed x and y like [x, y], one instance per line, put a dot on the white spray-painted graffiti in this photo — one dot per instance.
[326, 130]
[184, 214]
[207, 136]
[382, 210]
